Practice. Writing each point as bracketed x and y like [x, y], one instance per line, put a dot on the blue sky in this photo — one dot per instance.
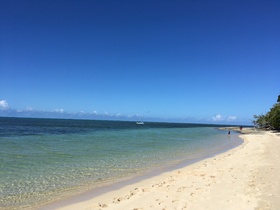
[184, 61]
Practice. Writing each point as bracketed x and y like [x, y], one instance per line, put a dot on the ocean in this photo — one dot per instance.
[42, 160]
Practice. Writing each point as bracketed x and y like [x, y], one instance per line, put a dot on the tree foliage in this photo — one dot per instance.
[270, 120]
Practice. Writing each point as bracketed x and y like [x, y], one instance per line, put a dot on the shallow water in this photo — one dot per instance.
[43, 159]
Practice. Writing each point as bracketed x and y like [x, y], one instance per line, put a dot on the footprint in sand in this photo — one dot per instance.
[102, 205]
[117, 200]
[179, 172]
[181, 189]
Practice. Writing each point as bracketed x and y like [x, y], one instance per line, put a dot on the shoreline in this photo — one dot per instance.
[245, 177]
[138, 177]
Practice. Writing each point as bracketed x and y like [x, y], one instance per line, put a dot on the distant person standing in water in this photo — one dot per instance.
[228, 133]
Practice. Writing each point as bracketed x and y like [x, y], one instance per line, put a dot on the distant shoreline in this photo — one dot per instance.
[243, 130]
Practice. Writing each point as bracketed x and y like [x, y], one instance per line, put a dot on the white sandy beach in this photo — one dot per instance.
[246, 177]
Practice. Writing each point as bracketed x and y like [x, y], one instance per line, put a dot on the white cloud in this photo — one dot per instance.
[58, 110]
[231, 118]
[29, 109]
[217, 118]
[221, 118]
[3, 104]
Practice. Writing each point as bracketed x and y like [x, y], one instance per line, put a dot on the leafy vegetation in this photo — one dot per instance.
[270, 120]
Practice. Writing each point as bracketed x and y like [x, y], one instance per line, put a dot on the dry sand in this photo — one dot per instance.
[246, 177]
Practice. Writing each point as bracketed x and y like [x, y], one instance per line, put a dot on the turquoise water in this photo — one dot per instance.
[43, 159]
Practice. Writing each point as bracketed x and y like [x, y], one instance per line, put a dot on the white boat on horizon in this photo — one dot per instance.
[140, 123]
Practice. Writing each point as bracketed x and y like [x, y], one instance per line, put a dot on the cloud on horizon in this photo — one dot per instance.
[6, 111]
[3, 104]
[220, 118]
[58, 110]
[231, 118]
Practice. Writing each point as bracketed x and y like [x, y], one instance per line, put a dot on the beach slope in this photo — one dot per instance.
[246, 177]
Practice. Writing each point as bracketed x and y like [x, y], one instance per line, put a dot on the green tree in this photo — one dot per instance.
[261, 121]
[270, 120]
[274, 116]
